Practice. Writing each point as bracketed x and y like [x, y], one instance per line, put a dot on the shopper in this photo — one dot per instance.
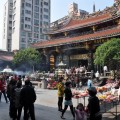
[60, 93]
[68, 100]
[3, 88]
[18, 106]
[93, 105]
[27, 99]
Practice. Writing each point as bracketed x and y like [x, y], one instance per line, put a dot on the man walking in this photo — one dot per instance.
[27, 99]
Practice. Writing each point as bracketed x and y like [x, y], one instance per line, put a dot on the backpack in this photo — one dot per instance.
[17, 97]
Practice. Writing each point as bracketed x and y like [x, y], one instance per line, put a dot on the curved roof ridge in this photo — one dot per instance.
[81, 22]
[68, 40]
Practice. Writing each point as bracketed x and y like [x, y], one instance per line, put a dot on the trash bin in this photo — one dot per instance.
[44, 84]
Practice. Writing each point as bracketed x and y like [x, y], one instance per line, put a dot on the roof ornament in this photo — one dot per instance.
[94, 9]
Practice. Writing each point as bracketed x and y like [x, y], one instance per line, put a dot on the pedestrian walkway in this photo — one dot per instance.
[45, 107]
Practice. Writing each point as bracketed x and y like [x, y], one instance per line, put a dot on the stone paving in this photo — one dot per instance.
[46, 107]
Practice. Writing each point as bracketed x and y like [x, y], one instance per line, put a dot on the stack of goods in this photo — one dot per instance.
[101, 89]
[52, 84]
[108, 97]
[78, 94]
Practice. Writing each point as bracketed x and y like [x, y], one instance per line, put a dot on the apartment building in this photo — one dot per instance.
[7, 26]
[30, 19]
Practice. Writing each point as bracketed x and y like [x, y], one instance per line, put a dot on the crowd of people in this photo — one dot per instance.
[20, 96]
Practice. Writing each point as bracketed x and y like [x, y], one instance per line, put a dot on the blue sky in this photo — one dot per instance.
[59, 8]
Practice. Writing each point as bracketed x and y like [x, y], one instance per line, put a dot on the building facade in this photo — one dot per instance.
[29, 21]
[75, 41]
[7, 26]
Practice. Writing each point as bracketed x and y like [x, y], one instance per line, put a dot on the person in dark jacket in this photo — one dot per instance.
[18, 106]
[11, 95]
[68, 100]
[94, 105]
[27, 99]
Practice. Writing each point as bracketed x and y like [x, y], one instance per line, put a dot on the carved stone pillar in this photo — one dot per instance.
[89, 47]
[90, 60]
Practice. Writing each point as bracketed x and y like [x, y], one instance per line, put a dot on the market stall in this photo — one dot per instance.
[108, 98]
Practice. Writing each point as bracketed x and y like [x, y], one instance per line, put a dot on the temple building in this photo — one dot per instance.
[74, 39]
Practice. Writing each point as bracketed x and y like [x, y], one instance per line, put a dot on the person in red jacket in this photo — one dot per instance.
[3, 88]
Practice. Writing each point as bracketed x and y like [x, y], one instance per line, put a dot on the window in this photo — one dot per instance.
[22, 46]
[10, 28]
[46, 3]
[36, 15]
[46, 16]
[40, 23]
[27, 19]
[41, 17]
[36, 29]
[23, 40]
[29, 34]
[29, 40]
[22, 5]
[36, 2]
[10, 34]
[10, 22]
[36, 9]
[27, 26]
[41, 10]
[22, 12]
[36, 22]
[28, 11]
[28, 4]
[42, 37]
[23, 34]
[40, 30]
[36, 35]
[22, 26]
[22, 20]
[9, 41]
[45, 23]
[10, 16]
[45, 10]
[41, 4]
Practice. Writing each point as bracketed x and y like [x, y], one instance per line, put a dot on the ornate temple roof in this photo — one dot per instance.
[108, 14]
[68, 40]
[77, 23]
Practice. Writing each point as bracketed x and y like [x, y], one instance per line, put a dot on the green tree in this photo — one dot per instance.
[109, 54]
[28, 56]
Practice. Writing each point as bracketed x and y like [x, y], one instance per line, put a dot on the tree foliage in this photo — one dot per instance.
[28, 56]
[108, 53]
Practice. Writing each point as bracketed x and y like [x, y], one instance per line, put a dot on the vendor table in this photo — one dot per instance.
[106, 107]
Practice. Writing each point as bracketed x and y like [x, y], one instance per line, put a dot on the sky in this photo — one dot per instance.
[59, 9]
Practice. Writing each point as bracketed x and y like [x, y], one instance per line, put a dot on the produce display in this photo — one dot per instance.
[77, 94]
[107, 97]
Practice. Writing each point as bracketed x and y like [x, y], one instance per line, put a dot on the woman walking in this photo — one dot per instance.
[68, 100]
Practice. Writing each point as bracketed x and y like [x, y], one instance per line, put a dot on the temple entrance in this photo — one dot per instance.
[83, 63]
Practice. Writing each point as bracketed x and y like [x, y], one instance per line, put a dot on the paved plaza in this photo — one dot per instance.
[46, 107]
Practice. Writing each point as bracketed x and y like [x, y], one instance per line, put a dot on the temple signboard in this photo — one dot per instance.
[79, 57]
